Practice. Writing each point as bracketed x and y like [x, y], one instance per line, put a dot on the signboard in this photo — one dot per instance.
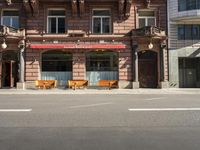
[77, 46]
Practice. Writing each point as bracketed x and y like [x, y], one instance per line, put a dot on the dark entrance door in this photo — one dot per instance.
[9, 70]
[9, 74]
[148, 71]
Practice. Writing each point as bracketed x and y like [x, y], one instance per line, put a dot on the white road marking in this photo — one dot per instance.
[91, 105]
[155, 98]
[163, 109]
[15, 110]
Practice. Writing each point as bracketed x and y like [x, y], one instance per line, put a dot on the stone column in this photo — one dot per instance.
[79, 64]
[20, 84]
[21, 65]
[135, 84]
[164, 81]
[0, 69]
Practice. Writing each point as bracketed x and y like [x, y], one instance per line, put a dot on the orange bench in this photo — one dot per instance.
[77, 84]
[108, 83]
[46, 84]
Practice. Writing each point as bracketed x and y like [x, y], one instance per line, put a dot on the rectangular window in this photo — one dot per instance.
[181, 32]
[10, 18]
[184, 5]
[198, 4]
[101, 22]
[56, 21]
[146, 18]
[196, 32]
[192, 4]
[188, 32]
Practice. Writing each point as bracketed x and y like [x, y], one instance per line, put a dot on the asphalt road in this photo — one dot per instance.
[99, 122]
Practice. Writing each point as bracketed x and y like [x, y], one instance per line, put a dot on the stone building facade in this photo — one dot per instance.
[122, 40]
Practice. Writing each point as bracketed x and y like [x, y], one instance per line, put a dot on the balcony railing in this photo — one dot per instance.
[149, 31]
[6, 31]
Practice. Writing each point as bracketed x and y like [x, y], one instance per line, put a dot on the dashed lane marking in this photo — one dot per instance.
[90, 105]
[15, 110]
[164, 109]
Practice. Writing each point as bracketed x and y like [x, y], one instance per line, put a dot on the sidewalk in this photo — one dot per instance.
[101, 91]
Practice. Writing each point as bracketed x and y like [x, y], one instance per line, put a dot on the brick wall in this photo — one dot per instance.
[125, 64]
[79, 64]
[32, 67]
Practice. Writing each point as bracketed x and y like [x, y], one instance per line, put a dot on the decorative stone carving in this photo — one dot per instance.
[9, 2]
[35, 6]
[149, 31]
[147, 3]
[121, 4]
[74, 7]
[82, 6]
[128, 8]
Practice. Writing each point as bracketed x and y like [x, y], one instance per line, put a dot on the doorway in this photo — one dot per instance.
[189, 72]
[9, 70]
[148, 72]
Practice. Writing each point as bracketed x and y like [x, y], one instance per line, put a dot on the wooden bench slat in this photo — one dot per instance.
[46, 83]
[77, 83]
[108, 83]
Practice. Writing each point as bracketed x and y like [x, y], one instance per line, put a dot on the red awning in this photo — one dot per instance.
[76, 46]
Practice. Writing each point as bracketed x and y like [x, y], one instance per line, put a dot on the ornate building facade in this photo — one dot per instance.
[122, 40]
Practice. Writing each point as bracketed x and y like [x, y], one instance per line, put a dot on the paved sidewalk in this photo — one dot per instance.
[102, 91]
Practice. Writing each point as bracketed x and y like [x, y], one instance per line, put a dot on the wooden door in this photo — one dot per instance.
[147, 70]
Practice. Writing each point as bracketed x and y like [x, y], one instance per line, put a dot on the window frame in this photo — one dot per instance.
[11, 17]
[146, 17]
[187, 5]
[184, 36]
[101, 17]
[48, 16]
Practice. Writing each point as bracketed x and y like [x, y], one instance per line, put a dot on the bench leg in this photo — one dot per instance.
[109, 86]
[74, 87]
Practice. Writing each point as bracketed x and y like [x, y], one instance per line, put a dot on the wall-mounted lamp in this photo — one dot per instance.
[21, 44]
[128, 66]
[78, 42]
[4, 45]
[150, 46]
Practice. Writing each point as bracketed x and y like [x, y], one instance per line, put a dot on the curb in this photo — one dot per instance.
[90, 92]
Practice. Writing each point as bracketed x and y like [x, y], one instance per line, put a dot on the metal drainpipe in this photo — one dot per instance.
[168, 35]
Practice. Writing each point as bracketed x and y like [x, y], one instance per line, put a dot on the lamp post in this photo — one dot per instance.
[21, 46]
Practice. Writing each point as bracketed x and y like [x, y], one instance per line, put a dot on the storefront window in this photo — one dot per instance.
[56, 61]
[101, 66]
[100, 61]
